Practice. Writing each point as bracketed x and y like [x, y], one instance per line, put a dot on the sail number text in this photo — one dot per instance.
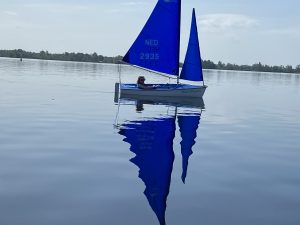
[152, 52]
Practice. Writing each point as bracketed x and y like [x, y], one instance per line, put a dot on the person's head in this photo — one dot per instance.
[141, 80]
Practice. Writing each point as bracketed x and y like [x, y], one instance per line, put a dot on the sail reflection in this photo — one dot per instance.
[152, 143]
[188, 125]
[151, 140]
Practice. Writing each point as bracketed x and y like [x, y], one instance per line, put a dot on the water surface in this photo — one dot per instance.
[62, 160]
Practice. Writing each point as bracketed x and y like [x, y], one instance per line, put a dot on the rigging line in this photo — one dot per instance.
[119, 70]
[116, 125]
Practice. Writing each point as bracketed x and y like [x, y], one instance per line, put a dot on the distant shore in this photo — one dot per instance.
[95, 58]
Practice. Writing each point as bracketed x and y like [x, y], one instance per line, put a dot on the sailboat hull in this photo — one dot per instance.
[163, 90]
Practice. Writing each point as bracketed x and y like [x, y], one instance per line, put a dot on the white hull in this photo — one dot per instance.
[163, 91]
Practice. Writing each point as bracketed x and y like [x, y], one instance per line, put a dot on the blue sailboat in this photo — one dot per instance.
[156, 49]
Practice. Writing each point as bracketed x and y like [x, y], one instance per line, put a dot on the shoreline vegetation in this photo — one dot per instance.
[81, 57]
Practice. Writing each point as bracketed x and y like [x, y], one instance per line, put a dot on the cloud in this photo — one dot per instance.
[286, 31]
[57, 7]
[127, 7]
[10, 13]
[133, 3]
[223, 22]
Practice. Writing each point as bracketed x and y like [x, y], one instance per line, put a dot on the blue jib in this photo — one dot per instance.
[192, 67]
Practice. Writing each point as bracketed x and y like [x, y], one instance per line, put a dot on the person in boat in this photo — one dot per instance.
[141, 83]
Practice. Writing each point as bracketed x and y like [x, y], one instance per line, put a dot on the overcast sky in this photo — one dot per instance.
[236, 31]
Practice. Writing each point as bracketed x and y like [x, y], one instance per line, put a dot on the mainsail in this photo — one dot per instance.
[188, 125]
[152, 142]
[192, 67]
[157, 46]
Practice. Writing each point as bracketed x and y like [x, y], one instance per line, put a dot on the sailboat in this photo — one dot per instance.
[156, 49]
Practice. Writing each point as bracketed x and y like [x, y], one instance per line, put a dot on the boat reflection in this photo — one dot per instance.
[159, 100]
[151, 140]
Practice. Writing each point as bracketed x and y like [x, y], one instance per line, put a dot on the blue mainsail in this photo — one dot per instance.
[188, 125]
[157, 46]
[192, 67]
[152, 143]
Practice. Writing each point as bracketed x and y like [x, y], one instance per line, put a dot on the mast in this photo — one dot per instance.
[179, 24]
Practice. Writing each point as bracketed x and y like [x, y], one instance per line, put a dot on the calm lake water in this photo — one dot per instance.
[62, 160]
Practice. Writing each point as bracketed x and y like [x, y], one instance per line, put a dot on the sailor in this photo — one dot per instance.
[141, 83]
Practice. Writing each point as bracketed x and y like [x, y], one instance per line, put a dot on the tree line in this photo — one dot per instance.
[259, 67]
[67, 56]
[94, 57]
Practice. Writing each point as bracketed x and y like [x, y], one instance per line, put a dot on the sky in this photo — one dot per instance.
[231, 31]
